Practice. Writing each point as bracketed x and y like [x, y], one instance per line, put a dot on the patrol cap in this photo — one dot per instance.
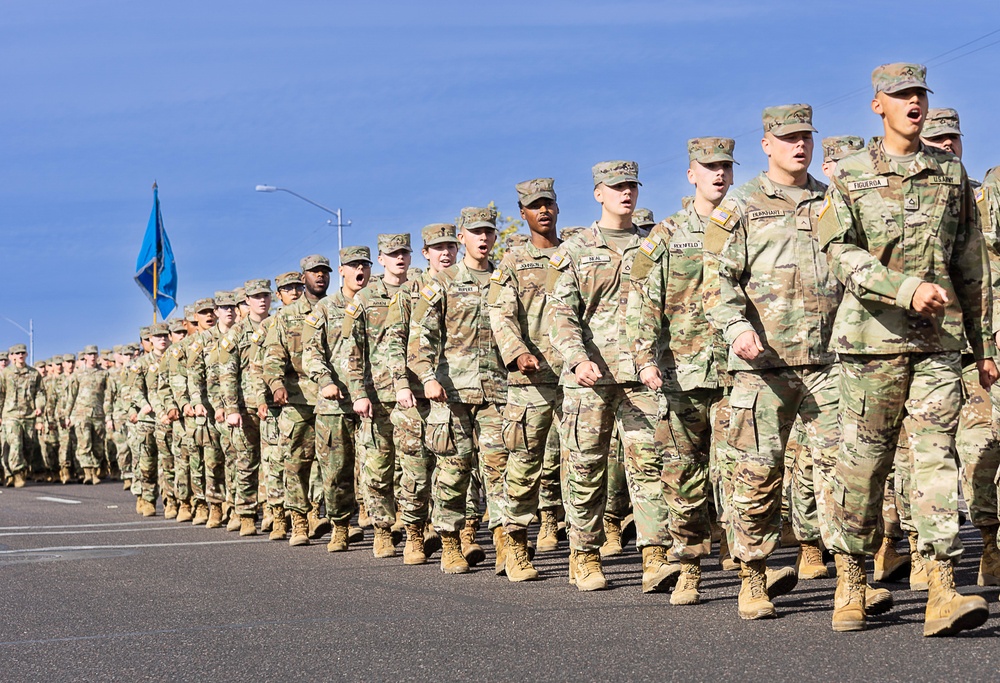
[643, 218]
[259, 286]
[615, 172]
[117, 348]
[390, 242]
[438, 233]
[68, 358]
[239, 295]
[711, 150]
[189, 313]
[315, 262]
[17, 348]
[40, 364]
[286, 279]
[566, 233]
[52, 363]
[355, 254]
[144, 331]
[130, 349]
[893, 78]
[518, 239]
[940, 122]
[3, 355]
[202, 305]
[106, 352]
[224, 299]
[89, 348]
[837, 147]
[529, 191]
[478, 217]
[158, 330]
[414, 273]
[785, 119]
[177, 326]
[687, 201]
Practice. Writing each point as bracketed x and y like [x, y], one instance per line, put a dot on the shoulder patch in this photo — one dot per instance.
[311, 320]
[352, 309]
[649, 245]
[723, 218]
[822, 209]
[558, 260]
[431, 292]
[224, 343]
[979, 194]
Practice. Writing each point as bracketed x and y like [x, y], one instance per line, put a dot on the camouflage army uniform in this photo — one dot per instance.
[142, 392]
[182, 429]
[887, 229]
[164, 432]
[208, 470]
[451, 342]
[764, 273]
[86, 392]
[52, 384]
[272, 461]
[21, 395]
[67, 440]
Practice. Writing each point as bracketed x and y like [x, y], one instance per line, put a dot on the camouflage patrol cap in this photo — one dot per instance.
[89, 348]
[258, 286]
[478, 217]
[615, 173]
[687, 201]
[711, 150]
[438, 233]
[68, 358]
[837, 147]
[390, 242]
[287, 279]
[131, 349]
[144, 332]
[159, 330]
[786, 119]
[533, 190]
[941, 122]
[190, 312]
[566, 233]
[17, 348]
[202, 305]
[239, 295]
[224, 299]
[893, 78]
[516, 240]
[355, 254]
[315, 262]
[3, 355]
[117, 348]
[642, 218]
[176, 326]
[413, 273]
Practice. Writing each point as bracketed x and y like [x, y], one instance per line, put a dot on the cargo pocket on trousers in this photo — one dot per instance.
[853, 400]
[570, 425]
[742, 433]
[440, 438]
[513, 432]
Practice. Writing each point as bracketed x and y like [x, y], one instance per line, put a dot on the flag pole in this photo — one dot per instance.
[156, 263]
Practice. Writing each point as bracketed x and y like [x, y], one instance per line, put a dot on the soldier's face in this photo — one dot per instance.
[317, 281]
[904, 112]
[541, 216]
[3, 363]
[160, 342]
[225, 314]
[90, 360]
[178, 336]
[242, 309]
[206, 319]
[259, 304]
[68, 367]
[478, 241]
[791, 153]
[17, 359]
[289, 293]
[356, 275]
[55, 369]
[441, 256]
[619, 199]
[711, 180]
[395, 262]
[949, 142]
[41, 370]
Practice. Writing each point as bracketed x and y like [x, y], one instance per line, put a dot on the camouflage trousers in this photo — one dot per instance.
[978, 451]
[146, 456]
[123, 447]
[799, 505]
[618, 503]
[416, 460]
[550, 484]
[203, 446]
[528, 418]
[50, 446]
[881, 394]
[67, 446]
[456, 433]
[764, 406]
[336, 453]
[182, 446]
[589, 417]
[216, 459]
[297, 430]
[246, 445]
[89, 435]
[19, 434]
[377, 452]
[721, 461]
[164, 435]
[270, 452]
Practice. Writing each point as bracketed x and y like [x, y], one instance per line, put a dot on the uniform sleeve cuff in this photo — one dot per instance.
[736, 329]
[904, 297]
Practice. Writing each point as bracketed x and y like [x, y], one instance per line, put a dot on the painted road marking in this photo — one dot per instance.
[68, 548]
[75, 532]
[88, 526]
[50, 499]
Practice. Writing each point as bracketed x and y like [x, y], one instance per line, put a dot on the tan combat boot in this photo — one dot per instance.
[318, 526]
[877, 601]
[472, 551]
[726, 561]
[300, 529]
[889, 564]
[588, 573]
[413, 551]
[432, 541]
[382, 545]
[214, 516]
[146, 509]
[500, 546]
[398, 526]
[849, 599]
[753, 601]
[781, 581]
[279, 524]
[234, 521]
[126, 485]
[918, 565]
[364, 520]
[788, 537]
[19, 480]
[95, 478]
[612, 538]
[169, 507]
[686, 590]
[338, 539]
[989, 563]
[248, 525]
[452, 559]
[184, 512]
[86, 475]
[548, 533]
[200, 514]
[267, 520]
[517, 564]
[658, 575]
[947, 611]
[572, 567]
[356, 534]
[138, 505]
[809, 564]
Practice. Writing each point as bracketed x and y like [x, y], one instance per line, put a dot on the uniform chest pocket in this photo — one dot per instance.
[882, 220]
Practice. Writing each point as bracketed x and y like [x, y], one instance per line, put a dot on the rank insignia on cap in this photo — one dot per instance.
[558, 260]
[721, 217]
[312, 320]
[351, 309]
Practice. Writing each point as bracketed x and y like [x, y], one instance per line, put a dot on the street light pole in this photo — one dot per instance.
[338, 213]
[31, 337]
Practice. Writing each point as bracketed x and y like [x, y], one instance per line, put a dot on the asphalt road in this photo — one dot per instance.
[93, 592]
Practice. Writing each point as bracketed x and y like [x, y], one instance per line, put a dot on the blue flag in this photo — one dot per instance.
[156, 264]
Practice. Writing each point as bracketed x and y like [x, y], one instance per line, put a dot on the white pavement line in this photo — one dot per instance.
[66, 548]
[50, 499]
[75, 532]
[88, 526]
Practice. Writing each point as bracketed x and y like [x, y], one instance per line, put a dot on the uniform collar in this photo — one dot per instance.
[813, 188]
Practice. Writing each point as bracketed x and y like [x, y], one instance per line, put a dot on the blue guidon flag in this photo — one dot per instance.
[155, 270]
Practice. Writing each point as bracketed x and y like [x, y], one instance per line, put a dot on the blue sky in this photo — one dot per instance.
[401, 113]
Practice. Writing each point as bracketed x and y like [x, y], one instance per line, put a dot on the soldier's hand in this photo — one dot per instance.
[173, 414]
[651, 377]
[996, 338]
[146, 409]
[434, 391]
[220, 416]
[234, 420]
[38, 412]
[281, 396]
[405, 399]
[747, 346]
[929, 300]
[188, 410]
[110, 424]
[133, 418]
[988, 373]
[262, 411]
[527, 363]
[363, 407]
[165, 420]
[587, 373]
[201, 411]
[331, 391]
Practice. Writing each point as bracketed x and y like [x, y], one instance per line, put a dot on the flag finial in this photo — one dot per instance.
[154, 184]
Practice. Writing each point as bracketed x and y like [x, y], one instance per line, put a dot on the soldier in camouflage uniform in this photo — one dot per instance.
[67, 440]
[370, 383]
[167, 417]
[173, 389]
[227, 315]
[197, 422]
[86, 393]
[52, 383]
[451, 350]
[534, 399]
[675, 351]
[22, 399]
[325, 359]
[988, 201]
[145, 410]
[117, 421]
[292, 389]
[900, 230]
[769, 292]
[588, 284]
